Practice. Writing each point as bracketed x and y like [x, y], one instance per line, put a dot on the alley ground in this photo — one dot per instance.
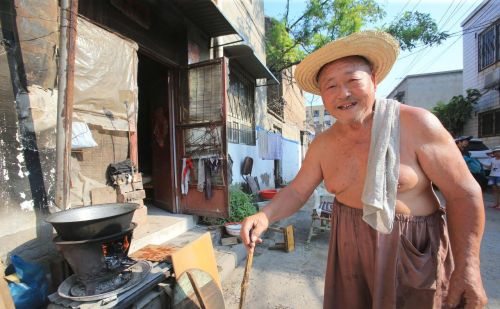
[281, 280]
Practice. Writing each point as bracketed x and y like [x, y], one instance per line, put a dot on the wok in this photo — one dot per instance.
[89, 222]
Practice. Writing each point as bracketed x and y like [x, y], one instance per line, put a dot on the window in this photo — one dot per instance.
[489, 46]
[233, 132]
[241, 108]
[316, 113]
[489, 123]
[327, 113]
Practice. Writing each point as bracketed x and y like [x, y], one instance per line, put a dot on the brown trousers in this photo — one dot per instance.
[408, 268]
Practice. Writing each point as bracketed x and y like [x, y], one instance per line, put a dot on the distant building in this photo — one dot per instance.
[319, 118]
[481, 44]
[426, 90]
[286, 115]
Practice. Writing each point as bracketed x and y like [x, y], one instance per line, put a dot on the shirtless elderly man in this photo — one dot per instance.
[389, 245]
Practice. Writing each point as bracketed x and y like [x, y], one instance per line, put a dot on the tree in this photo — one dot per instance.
[289, 41]
[454, 114]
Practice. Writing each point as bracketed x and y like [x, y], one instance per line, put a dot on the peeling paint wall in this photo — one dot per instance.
[28, 44]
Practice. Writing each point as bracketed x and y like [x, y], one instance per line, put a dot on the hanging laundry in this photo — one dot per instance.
[208, 180]
[274, 147]
[262, 143]
[201, 175]
[187, 165]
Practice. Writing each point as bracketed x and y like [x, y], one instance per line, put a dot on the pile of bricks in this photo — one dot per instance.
[129, 189]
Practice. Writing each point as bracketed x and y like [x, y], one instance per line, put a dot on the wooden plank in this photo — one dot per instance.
[154, 253]
[103, 195]
[198, 254]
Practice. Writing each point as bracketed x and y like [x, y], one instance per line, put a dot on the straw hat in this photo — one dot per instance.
[379, 48]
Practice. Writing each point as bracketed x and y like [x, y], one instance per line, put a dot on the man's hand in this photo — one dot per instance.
[466, 288]
[258, 223]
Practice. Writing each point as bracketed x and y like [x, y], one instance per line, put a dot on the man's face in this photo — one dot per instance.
[462, 144]
[347, 87]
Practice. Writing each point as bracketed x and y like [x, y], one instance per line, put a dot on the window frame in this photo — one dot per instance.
[495, 27]
[495, 114]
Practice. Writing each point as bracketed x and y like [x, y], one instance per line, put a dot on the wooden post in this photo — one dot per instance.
[69, 14]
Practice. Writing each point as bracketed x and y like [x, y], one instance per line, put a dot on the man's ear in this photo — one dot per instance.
[374, 80]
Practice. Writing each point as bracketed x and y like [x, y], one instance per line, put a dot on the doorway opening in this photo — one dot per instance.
[153, 136]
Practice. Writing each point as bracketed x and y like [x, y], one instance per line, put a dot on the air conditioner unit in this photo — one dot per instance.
[492, 79]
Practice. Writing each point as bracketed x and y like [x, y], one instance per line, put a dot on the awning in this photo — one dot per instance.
[244, 55]
[206, 16]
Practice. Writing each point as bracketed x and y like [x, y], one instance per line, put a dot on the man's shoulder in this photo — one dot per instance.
[416, 116]
[423, 125]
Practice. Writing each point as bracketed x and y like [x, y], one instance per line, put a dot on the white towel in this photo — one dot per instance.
[201, 175]
[262, 142]
[381, 183]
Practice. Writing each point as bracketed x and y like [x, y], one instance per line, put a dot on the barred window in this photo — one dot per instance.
[489, 123]
[489, 46]
[233, 132]
[241, 125]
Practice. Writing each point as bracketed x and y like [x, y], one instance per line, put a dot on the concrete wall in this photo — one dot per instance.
[262, 169]
[27, 62]
[483, 16]
[425, 90]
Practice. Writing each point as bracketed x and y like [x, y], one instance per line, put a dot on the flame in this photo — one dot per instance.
[104, 249]
[126, 244]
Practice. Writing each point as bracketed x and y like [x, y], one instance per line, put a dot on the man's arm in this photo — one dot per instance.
[442, 162]
[289, 199]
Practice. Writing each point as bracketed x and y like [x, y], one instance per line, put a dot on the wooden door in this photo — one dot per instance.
[202, 136]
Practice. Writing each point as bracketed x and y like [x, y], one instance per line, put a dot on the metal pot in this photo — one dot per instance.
[90, 222]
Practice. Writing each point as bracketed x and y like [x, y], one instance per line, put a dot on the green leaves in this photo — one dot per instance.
[241, 204]
[454, 114]
[415, 27]
[289, 41]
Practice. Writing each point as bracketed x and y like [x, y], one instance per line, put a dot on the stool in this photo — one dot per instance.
[321, 217]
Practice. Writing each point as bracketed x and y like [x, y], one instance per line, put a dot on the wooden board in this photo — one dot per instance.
[197, 289]
[198, 254]
[5, 297]
[103, 195]
[154, 253]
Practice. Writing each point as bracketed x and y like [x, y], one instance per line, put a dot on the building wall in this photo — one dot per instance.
[320, 122]
[294, 113]
[262, 169]
[486, 13]
[425, 90]
[27, 61]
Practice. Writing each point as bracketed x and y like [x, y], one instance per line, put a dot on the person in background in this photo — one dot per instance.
[494, 178]
[462, 143]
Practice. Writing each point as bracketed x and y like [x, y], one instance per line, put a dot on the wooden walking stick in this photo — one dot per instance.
[246, 276]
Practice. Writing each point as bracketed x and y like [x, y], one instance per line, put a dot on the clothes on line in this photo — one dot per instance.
[270, 145]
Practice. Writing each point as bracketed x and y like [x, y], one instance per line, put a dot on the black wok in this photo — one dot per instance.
[89, 222]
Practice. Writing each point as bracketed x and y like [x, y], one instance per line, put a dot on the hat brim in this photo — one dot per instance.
[379, 48]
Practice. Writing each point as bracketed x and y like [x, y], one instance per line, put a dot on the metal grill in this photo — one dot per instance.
[205, 95]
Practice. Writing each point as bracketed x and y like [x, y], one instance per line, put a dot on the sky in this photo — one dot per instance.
[448, 14]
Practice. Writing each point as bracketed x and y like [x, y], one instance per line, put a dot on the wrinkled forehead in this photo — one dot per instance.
[360, 60]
